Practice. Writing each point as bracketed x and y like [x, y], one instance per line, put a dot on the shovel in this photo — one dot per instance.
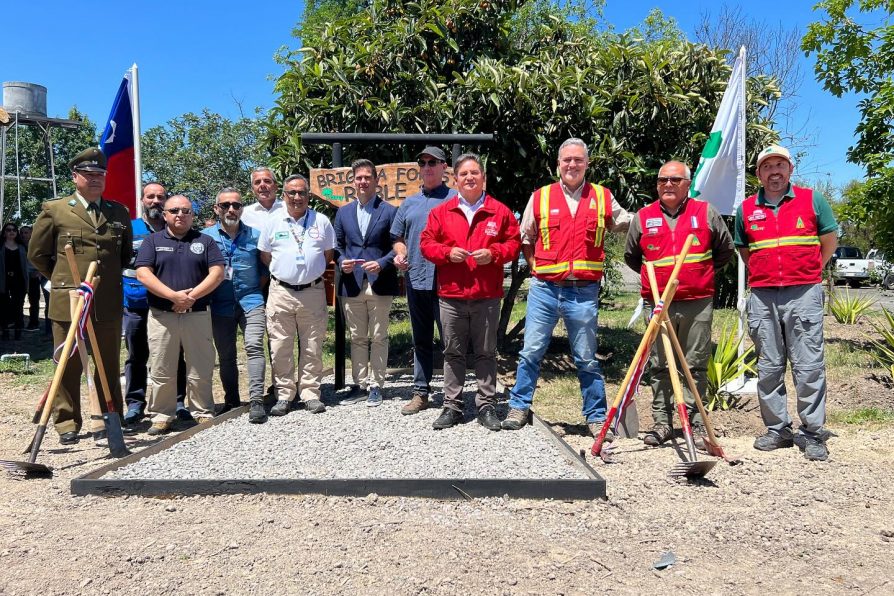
[31, 468]
[110, 417]
[692, 468]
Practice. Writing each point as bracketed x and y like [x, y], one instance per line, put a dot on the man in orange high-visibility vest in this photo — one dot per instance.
[657, 234]
[563, 229]
[786, 234]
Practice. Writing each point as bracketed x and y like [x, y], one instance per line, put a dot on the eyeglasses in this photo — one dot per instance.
[428, 162]
[675, 180]
[292, 193]
[226, 206]
[179, 210]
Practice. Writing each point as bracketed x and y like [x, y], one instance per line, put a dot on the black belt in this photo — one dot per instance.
[574, 283]
[188, 310]
[299, 287]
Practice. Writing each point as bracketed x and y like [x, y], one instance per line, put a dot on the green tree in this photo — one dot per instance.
[33, 162]
[854, 57]
[853, 215]
[198, 154]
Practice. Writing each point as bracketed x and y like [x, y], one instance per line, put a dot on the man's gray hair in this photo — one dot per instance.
[226, 190]
[296, 177]
[685, 167]
[576, 142]
[263, 169]
[466, 157]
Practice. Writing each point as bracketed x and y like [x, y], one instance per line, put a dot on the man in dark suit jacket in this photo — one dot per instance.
[368, 284]
[98, 230]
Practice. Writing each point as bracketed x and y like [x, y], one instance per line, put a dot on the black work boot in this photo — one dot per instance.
[256, 412]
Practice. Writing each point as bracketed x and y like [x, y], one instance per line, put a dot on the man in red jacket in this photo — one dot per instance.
[468, 238]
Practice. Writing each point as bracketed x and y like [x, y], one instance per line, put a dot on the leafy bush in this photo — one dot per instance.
[883, 351]
[848, 309]
[726, 365]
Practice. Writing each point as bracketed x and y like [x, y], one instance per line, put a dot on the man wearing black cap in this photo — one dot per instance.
[422, 297]
[99, 230]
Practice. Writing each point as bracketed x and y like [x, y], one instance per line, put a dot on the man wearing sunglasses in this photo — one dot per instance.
[657, 234]
[136, 313]
[238, 303]
[98, 230]
[368, 283]
[422, 297]
[180, 268]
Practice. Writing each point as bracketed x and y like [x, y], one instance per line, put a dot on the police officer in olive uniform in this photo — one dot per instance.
[99, 230]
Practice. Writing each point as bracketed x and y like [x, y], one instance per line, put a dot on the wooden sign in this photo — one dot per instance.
[397, 181]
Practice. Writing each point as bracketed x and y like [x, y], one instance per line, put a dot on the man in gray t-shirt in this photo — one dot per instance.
[422, 297]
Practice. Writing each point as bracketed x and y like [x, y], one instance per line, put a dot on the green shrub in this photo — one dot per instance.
[883, 351]
[848, 309]
[726, 365]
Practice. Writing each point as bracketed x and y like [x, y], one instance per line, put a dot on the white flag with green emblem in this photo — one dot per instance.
[720, 175]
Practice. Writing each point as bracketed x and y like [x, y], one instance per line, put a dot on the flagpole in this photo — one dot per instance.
[137, 156]
[740, 198]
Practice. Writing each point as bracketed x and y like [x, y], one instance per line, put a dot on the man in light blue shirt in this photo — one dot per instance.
[238, 303]
[422, 297]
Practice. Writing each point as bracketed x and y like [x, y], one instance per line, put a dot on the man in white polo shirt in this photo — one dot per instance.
[296, 244]
[263, 187]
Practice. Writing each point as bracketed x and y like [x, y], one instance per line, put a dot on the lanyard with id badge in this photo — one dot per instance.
[299, 238]
[230, 251]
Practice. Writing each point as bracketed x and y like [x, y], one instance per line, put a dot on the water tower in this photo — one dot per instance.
[25, 104]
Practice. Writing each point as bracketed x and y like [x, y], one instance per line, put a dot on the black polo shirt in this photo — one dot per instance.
[179, 263]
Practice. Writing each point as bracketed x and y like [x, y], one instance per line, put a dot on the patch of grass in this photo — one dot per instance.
[863, 416]
[848, 354]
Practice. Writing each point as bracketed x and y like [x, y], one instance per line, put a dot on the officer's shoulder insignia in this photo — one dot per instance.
[800, 223]
[72, 203]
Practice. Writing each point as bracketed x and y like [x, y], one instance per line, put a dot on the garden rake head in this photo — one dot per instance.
[692, 469]
[26, 469]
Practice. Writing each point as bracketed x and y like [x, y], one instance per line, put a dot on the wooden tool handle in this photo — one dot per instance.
[66, 352]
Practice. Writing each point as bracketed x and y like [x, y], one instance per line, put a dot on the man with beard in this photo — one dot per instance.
[136, 313]
[786, 234]
[238, 303]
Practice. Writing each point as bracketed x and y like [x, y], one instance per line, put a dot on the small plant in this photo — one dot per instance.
[883, 351]
[847, 310]
[726, 365]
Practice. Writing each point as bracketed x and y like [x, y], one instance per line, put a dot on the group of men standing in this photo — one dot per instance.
[260, 269]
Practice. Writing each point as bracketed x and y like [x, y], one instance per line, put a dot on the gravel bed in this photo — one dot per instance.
[355, 441]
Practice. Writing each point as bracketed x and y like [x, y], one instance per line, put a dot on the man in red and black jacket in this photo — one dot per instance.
[468, 238]
[657, 234]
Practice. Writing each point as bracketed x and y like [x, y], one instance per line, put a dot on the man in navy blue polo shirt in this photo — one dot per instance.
[180, 268]
[238, 302]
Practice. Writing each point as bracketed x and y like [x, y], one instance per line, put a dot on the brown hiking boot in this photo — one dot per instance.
[658, 435]
[699, 433]
[596, 428]
[516, 419]
[418, 403]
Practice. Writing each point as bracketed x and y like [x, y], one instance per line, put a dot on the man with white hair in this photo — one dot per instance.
[563, 230]
[786, 234]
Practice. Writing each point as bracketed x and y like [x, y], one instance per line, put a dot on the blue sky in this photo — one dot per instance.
[196, 53]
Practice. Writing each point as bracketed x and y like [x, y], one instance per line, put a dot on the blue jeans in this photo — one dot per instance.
[579, 309]
[424, 315]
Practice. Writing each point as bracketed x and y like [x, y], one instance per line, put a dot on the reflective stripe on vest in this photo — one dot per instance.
[785, 241]
[697, 257]
[544, 217]
[600, 216]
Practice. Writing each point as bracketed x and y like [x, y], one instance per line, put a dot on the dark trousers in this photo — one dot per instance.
[68, 400]
[134, 323]
[424, 315]
[465, 322]
[12, 301]
[33, 301]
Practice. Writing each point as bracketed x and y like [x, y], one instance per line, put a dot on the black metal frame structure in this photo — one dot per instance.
[338, 140]
[591, 487]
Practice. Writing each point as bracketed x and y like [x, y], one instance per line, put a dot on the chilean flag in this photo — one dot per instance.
[117, 143]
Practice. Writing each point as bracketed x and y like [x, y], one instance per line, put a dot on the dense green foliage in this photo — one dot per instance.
[852, 56]
[66, 143]
[198, 154]
[531, 77]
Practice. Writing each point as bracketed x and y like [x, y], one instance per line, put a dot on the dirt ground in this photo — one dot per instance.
[775, 524]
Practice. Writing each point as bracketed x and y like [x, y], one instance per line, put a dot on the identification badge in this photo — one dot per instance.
[553, 211]
[693, 222]
[758, 215]
[228, 273]
[280, 235]
[654, 222]
[299, 258]
[653, 231]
